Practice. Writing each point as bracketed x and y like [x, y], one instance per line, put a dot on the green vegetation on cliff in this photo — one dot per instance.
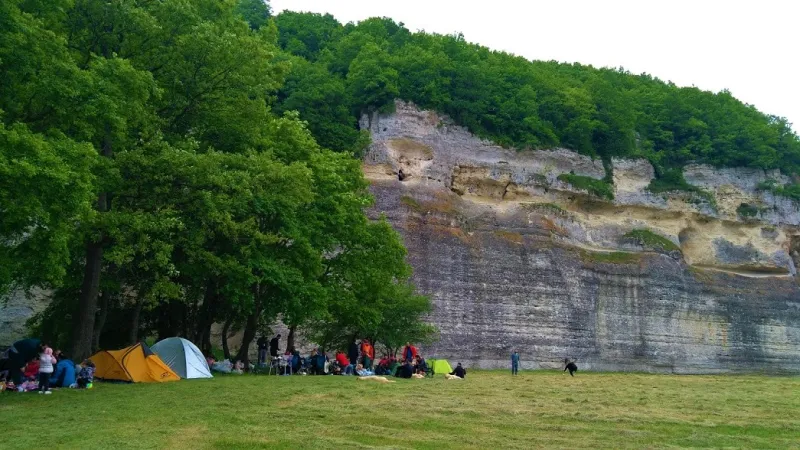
[598, 188]
[520, 103]
[649, 239]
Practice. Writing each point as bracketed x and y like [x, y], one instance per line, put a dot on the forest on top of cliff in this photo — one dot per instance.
[339, 71]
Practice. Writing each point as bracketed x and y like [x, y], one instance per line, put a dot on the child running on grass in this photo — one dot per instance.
[46, 362]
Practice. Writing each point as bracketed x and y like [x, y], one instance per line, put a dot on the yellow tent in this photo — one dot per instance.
[137, 364]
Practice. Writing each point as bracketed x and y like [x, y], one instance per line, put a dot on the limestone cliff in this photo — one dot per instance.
[515, 258]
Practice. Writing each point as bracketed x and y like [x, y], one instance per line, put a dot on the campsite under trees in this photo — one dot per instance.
[165, 166]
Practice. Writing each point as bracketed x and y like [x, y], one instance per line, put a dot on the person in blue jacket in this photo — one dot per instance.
[515, 363]
[64, 373]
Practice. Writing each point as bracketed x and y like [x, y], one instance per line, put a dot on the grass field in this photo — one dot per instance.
[487, 410]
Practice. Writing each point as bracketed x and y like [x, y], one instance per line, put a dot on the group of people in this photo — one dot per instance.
[31, 365]
[359, 360]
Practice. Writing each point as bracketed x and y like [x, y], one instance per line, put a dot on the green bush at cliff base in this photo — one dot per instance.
[598, 188]
[486, 410]
[649, 239]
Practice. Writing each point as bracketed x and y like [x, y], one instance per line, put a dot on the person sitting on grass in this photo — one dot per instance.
[421, 367]
[64, 374]
[459, 371]
[383, 367]
[364, 372]
[406, 370]
[344, 363]
[570, 366]
[295, 360]
[31, 371]
[238, 368]
[86, 374]
[319, 361]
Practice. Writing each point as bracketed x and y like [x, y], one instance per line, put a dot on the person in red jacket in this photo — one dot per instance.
[344, 363]
[409, 352]
[32, 369]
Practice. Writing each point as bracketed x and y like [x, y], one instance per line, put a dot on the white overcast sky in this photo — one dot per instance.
[748, 47]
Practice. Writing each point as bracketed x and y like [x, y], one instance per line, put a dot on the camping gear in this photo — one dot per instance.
[183, 357]
[137, 364]
[439, 366]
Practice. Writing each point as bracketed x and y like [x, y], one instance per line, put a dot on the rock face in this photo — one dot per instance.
[15, 310]
[515, 258]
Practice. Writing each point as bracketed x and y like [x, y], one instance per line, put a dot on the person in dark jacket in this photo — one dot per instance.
[352, 353]
[262, 350]
[273, 346]
[570, 366]
[459, 371]
[20, 353]
[295, 360]
[406, 370]
[515, 363]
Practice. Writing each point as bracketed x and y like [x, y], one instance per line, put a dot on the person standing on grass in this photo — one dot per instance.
[368, 351]
[273, 346]
[409, 352]
[352, 353]
[515, 363]
[262, 350]
[46, 362]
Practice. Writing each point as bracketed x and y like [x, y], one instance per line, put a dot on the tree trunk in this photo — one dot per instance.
[83, 320]
[133, 333]
[100, 322]
[251, 327]
[206, 319]
[225, 330]
[290, 338]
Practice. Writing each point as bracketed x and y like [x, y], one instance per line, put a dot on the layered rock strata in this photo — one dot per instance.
[515, 257]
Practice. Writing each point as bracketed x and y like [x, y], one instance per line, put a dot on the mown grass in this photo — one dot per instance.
[487, 410]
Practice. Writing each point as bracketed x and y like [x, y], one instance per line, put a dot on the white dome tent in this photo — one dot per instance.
[183, 357]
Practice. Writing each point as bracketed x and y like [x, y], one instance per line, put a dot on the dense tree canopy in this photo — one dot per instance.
[531, 104]
[146, 176]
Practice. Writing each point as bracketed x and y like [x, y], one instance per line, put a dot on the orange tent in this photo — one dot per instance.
[137, 364]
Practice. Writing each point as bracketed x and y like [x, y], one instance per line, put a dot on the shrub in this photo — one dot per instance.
[746, 210]
[610, 257]
[598, 188]
[647, 238]
[410, 202]
[791, 191]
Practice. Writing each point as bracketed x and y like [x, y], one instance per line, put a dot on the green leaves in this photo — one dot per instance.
[46, 189]
[602, 113]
